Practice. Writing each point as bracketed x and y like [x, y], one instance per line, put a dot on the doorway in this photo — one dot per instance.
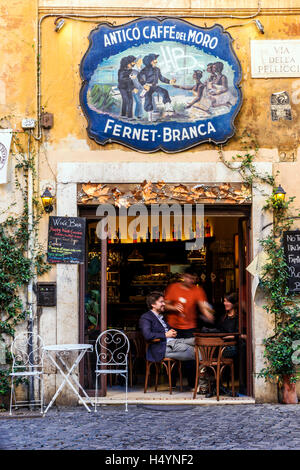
[118, 275]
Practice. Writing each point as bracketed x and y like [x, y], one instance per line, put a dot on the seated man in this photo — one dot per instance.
[154, 326]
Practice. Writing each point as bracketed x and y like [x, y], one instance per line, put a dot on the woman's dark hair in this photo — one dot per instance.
[198, 74]
[233, 299]
[152, 298]
[219, 66]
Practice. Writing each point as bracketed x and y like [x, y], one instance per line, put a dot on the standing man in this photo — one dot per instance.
[154, 326]
[138, 88]
[126, 85]
[182, 300]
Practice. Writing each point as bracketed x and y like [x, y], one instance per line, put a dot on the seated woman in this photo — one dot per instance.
[196, 89]
[219, 91]
[228, 323]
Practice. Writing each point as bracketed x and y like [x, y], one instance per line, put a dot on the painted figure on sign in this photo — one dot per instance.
[149, 77]
[197, 89]
[206, 97]
[138, 88]
[219, 92]
[126, 85]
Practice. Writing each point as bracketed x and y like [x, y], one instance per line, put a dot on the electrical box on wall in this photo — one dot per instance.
[47, 120]
[46, 294]
[28, 123]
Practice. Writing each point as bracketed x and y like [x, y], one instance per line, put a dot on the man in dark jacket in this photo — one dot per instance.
[154, 326]
[126, 85]
[149, 77]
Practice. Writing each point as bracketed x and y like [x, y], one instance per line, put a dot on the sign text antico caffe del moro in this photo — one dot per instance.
[160, 85]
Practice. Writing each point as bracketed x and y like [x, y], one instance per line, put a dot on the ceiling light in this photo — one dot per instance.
[135, 255]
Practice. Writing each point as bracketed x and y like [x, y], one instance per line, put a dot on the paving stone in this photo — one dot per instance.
[216, 427]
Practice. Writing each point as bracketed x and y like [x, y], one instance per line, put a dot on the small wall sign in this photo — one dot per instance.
[160, 85]
[280, 106]
[275, 58]
[46, 294]
[291, 243]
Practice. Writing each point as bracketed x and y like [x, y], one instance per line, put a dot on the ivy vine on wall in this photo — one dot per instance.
[16, 268]
[279, 301]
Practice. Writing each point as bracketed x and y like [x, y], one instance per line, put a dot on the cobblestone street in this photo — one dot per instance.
[237, 427]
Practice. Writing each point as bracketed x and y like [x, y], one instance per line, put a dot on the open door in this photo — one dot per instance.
[245, 343]
[92, 278]
[222, 269]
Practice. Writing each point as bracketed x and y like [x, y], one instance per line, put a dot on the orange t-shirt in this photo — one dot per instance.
[176, 293]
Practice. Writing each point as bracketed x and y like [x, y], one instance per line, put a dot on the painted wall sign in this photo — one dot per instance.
[275, 58]
[160, 85]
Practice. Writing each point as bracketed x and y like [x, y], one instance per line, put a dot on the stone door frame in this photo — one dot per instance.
[70, 174]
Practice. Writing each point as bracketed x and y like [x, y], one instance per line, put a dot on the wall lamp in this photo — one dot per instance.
[260, 26]
[258, 23]
[47, 201]
[279, 194]
[59, 24]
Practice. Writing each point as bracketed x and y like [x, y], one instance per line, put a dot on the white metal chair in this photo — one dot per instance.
[27, 355]
[112, 348]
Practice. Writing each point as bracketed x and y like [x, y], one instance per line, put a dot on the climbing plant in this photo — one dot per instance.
[280, 303]
[16, 267]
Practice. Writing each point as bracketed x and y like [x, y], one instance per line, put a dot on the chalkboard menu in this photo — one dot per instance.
[66, 240]
[291, 243]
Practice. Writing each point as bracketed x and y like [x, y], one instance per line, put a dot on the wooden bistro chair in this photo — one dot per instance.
[168, 364]
[211, 350]
[136, 352]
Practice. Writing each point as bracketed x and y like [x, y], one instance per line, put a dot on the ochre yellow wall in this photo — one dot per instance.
[61, 55]
[60, 79]
[17, 82]
[63, 52]
[18, 60]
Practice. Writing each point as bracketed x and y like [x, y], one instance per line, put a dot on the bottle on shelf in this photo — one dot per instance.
[148, 235]
[198, 232]
[134, 235]
[191, 231]
[179, 233]
[207, 229]
[155, 234]
[109, 236]
[119, 235]
[174, 235]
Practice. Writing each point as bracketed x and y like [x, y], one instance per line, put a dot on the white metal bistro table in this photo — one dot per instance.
[60, 351]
